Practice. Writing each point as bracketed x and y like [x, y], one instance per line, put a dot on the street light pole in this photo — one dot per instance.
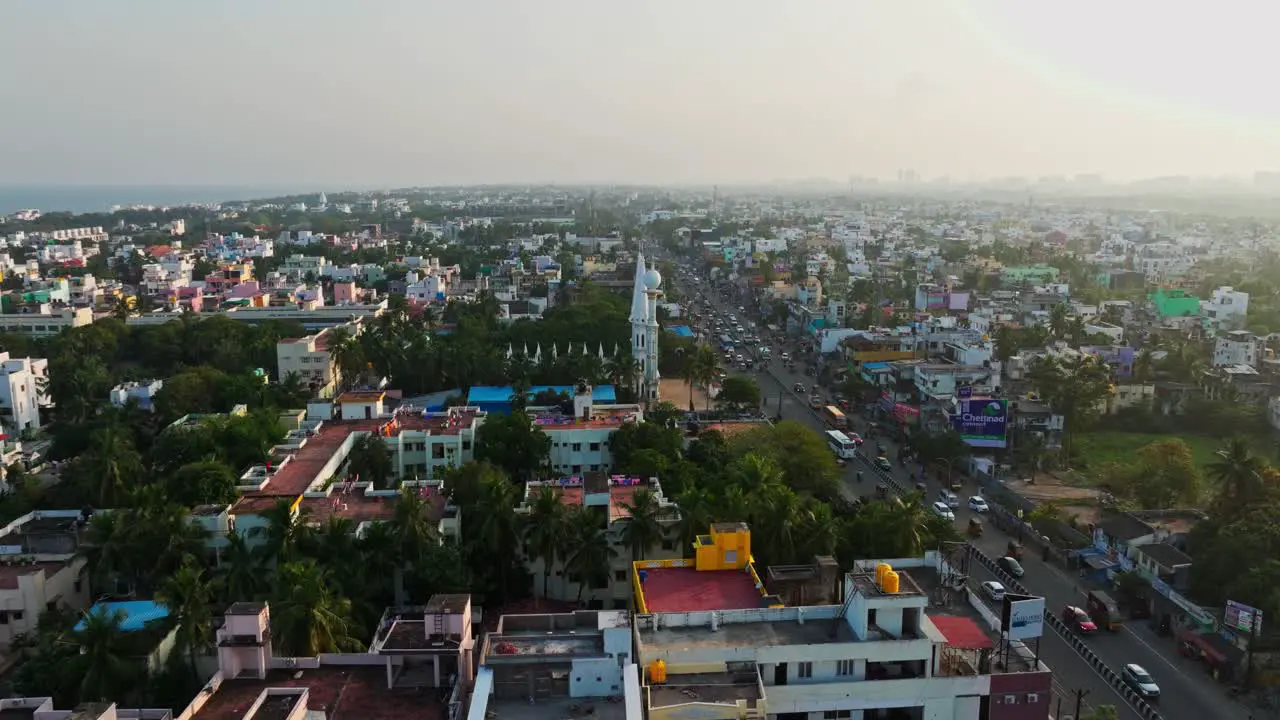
[948, 464]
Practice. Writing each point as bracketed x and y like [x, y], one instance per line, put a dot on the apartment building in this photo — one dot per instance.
[310, 359]
[1227, 307]
[1237, 347]
[41, 567]
[554, 666]
[887, 647]
[46, 322]
[21, 392]
[142, 393]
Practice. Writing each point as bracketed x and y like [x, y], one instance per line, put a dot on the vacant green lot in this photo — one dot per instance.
[1098, 449]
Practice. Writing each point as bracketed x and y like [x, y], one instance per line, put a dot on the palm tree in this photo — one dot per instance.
[187, 594]
[911, 523]
[819, 529]
[1058, 322]
[307, 617]
[108, 550]
[497, 527]
[240, 572]
[1239, 474]
[102, 665]
[280, 532]
[588, 553]
[348, 358]
[1143, 367]
[642, 528]
[381, 556]
[544, 533]
[112, 459]
[624, 370]
[695, 516]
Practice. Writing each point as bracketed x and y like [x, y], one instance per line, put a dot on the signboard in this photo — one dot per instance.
[1242, 618]
[982, 423]
[1022, 616]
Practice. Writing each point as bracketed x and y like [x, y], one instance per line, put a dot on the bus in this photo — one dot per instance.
[832, 416]
[841, 445]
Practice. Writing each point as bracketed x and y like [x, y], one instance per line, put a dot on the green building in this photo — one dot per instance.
[1028, 274]
[1174, 303]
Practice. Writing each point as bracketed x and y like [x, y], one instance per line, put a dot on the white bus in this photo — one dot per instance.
[841, 445]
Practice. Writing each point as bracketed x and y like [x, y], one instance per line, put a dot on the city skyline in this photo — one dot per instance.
[312, 94]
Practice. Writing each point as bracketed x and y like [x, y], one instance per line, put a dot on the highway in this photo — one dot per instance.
[1187, 692]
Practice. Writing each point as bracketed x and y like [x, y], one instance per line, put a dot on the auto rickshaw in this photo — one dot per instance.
[975, 527]
[1015, 550]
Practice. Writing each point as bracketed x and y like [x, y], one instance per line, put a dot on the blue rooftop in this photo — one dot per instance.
[484, 394]
[137, 613]
[683, 331]
[874, 365]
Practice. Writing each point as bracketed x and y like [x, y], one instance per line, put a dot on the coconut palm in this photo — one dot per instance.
[280, 532]
[240, 574]
[642, 527]
[102, 665]
[187, 594]
[307, 617]
[497, 526]
[588, 553]
[1143, 367]
[910, 523]
[1239, 474]
[544, 533]
[695, 516]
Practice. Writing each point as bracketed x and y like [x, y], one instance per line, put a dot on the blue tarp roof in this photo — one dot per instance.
[490, 394]
[683, 331]
[874, 365]
[137, 613]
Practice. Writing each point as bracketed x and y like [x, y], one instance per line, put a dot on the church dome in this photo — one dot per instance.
[652, 279]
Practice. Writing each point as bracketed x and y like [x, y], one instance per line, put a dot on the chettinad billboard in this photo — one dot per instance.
[982, 422]
[1022, 616]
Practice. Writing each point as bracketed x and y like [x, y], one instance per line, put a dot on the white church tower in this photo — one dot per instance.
[644, 327]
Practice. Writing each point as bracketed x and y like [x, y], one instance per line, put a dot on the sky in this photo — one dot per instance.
[383, 93]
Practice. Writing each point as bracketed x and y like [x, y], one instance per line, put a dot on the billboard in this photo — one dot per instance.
[982, 422]
[1242, 618]
[1022, 616]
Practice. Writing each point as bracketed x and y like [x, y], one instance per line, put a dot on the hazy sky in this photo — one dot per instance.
[394, 92]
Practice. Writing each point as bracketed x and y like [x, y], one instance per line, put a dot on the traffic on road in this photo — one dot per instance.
[789, 389]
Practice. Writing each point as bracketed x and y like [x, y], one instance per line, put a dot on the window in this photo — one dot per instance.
[1033, 698]
[577, 447]
[466, 444]
[4, 617]
[620, 575]
[437, 452]
[844, 668]
[577, 469]
[837, 714]
[17, 615]
[595, 447]
[805, 670]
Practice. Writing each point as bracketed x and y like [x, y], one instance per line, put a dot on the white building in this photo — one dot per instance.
[143, 393]
[1227, 307]
[1238, 347]
[1097, 327]
[41, 568]
[310, 359]
[644, 327]
[21, 394]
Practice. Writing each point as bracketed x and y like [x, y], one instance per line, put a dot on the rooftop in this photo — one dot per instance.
[555, 708]
[608, 417]
[685, 589]
[9, 574]
[361, 396]
[342, 693]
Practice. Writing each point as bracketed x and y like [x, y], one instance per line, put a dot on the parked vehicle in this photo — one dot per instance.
[978, 504]
[882, 462]
[993, 590]
[949, 499]
[941, 510]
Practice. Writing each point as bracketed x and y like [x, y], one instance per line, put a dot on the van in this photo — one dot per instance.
[949, 498]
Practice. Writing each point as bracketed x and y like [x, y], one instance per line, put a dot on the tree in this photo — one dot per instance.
[544, 534]
[104, 670]
[109, 467]
[240, 575]
[200, 483]
[1239, 475]
[514, 444]
[588, 553]
[799, 452]
[643, 527]
[307, 618]
[1143, 367]
[1164, 476]
[1074, 389]
[280, 532]
[371, 461]
[739, 392]
[187, 594]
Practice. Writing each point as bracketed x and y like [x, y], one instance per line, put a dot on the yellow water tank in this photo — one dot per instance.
[881, 569]
[890, 585]
[658, 671]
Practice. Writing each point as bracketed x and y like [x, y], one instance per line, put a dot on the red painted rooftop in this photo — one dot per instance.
[688, 590]
[342, 693]
[962, 632]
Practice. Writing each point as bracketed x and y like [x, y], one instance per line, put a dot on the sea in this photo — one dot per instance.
[90, 198]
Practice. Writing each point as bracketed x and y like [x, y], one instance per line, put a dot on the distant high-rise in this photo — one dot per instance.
[322, 200]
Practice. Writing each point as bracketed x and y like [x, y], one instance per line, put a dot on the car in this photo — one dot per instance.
[1140, 680]
[855, 437]
[1011, 566]
[941, 510]
[798, 387]
[883, 464]
[785, 356]
[993, 590]
[977, 503]
[1078, 620]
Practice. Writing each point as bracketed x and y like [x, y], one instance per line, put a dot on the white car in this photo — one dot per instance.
[941, 510]
[993, 590]
[978, 504]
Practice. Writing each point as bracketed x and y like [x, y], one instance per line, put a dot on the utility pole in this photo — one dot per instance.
[1080, 694]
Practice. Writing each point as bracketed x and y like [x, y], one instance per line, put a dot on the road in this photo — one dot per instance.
[1187, 692]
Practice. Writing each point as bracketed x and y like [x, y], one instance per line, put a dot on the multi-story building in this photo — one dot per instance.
[41, 566]
[553, 666]
[45, 323]
[1238, 347]
[712, 640]
[21, 392]
[143, 393]
[1226, 308]
[580, 442]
